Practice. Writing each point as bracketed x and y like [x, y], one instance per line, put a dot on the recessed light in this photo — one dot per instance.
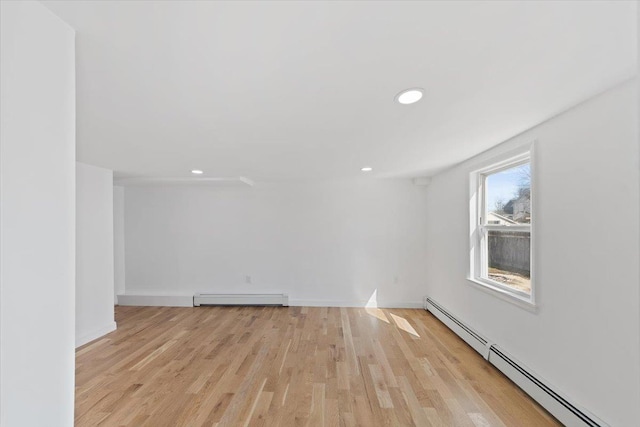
[366, 169]
[197, 172]
[409, 96]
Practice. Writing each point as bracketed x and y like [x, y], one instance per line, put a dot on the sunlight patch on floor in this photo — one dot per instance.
[372, 308]
[403, 324]
[376, 312]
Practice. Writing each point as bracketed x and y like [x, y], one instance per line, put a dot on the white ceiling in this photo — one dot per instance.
[304, 90]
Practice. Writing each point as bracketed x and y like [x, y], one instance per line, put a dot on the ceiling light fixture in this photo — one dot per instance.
[366, 169]
[197, 172]
[409, 96]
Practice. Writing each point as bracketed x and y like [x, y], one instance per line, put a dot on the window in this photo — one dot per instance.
[501, 227]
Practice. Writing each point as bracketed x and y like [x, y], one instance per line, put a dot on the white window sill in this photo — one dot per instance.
[520, 301]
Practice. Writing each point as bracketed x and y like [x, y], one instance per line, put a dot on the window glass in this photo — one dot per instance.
[509, 195]
[508, 204]
[509, 261]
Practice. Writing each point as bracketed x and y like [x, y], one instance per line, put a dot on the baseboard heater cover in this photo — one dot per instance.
[558, 405]
[471, 337]
[539, 389]
[240, 299]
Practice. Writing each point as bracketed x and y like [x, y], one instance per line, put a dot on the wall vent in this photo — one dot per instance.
[240, 299]
[561, 407]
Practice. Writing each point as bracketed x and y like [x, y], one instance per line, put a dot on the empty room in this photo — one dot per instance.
[319, 213]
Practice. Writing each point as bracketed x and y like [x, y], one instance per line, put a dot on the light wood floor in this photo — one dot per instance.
[296, 366]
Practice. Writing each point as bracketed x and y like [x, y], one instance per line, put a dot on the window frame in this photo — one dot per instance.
[478, 233]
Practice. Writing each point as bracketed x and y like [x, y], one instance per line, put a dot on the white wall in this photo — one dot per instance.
[118, 241]
[332, 243]
[94, 253]
[37, 211]
[585, 337]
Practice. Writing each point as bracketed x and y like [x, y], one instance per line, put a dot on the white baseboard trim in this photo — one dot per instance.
[156, 300]
[356, 304]
[161, 299]
[95, 334]
[401, 305]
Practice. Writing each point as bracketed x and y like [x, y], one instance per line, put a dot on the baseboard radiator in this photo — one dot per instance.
[240, 299]
[561, 407]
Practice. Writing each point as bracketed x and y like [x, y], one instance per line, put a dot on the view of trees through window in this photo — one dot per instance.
[508, 210]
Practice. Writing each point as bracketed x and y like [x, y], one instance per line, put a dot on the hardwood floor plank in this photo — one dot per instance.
[291, 366]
